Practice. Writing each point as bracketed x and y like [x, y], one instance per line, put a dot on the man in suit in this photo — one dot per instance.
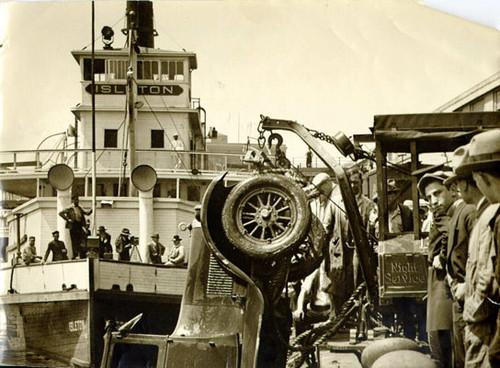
[443, 203]
[176, 256]
[75, 222]
[155, 250]
[459, 230]
[57, 248]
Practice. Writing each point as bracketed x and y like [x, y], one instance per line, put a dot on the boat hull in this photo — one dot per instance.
[69, 325]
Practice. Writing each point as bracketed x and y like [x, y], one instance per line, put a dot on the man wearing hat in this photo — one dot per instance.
[155, 250]
[57, 248]
[481, 281]
[104, 242]
[176, 256]
[400, 216]
[443, 203]
[123, 245]
[177, 145]
[459, 230]
[75, 222]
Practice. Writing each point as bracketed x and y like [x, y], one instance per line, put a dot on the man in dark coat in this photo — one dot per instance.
[123, 245]
[442, 202]
[57, 248]
[104, 242]
[155, 250]
[459, 230]
[75, 222]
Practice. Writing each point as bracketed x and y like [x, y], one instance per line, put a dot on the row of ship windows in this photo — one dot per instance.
[111, 138]
[106, 70]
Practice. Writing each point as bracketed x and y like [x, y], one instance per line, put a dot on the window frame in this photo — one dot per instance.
[106, 138]
[161, 136]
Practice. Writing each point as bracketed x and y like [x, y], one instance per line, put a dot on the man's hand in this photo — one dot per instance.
[298, 315]
[460, 291]
[436, 263]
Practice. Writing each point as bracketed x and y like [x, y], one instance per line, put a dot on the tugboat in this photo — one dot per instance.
[137, 108]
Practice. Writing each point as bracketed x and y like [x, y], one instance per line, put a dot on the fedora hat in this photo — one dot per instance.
[460, 157]
[484, 153]
[55, 232]
[176, 238]
[155, 235]
[425, 180]
[125, 231]
[102, 228]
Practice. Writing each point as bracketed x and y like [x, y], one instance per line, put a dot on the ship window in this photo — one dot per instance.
[148, 70]
[98, 68]
[172, 70]
[116, 69]
[110, 138]
[157, 139]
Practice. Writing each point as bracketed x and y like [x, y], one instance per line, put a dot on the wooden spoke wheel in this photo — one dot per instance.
[266, 216]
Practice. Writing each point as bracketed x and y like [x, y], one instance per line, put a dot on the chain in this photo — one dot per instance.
[322, 136]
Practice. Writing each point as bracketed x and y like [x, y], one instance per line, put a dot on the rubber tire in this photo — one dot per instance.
[314, 254]
[286, 242]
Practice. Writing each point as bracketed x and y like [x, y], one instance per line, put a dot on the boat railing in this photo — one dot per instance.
[112, 160]
[108, 275]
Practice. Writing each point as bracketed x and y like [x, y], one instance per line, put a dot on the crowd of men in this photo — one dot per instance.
[462, 314]
[125, 244]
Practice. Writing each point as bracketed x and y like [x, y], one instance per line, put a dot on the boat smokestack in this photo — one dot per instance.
[140, 17]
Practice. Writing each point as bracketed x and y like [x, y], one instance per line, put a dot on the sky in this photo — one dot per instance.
[328, 64]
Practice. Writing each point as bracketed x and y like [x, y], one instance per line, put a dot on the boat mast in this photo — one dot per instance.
[131, 86]
[93, 125]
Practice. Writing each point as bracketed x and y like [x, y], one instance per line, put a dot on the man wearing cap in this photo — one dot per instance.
[155, 250]
[75, 222]
[123, 245]
[176, 256]
[459, 230]
[177, 145]
[443, 203]
[481, 285]
[57, 248]
[104, 242]
[29, 253]
[400, 216]
[197, 218]
[343, 263]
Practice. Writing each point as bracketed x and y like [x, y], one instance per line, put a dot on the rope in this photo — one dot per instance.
[306, 343]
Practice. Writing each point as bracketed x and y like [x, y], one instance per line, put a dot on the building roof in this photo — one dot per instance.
[144, 51]
[471, 94]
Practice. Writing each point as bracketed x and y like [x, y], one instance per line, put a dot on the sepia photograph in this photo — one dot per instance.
[245, 184]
